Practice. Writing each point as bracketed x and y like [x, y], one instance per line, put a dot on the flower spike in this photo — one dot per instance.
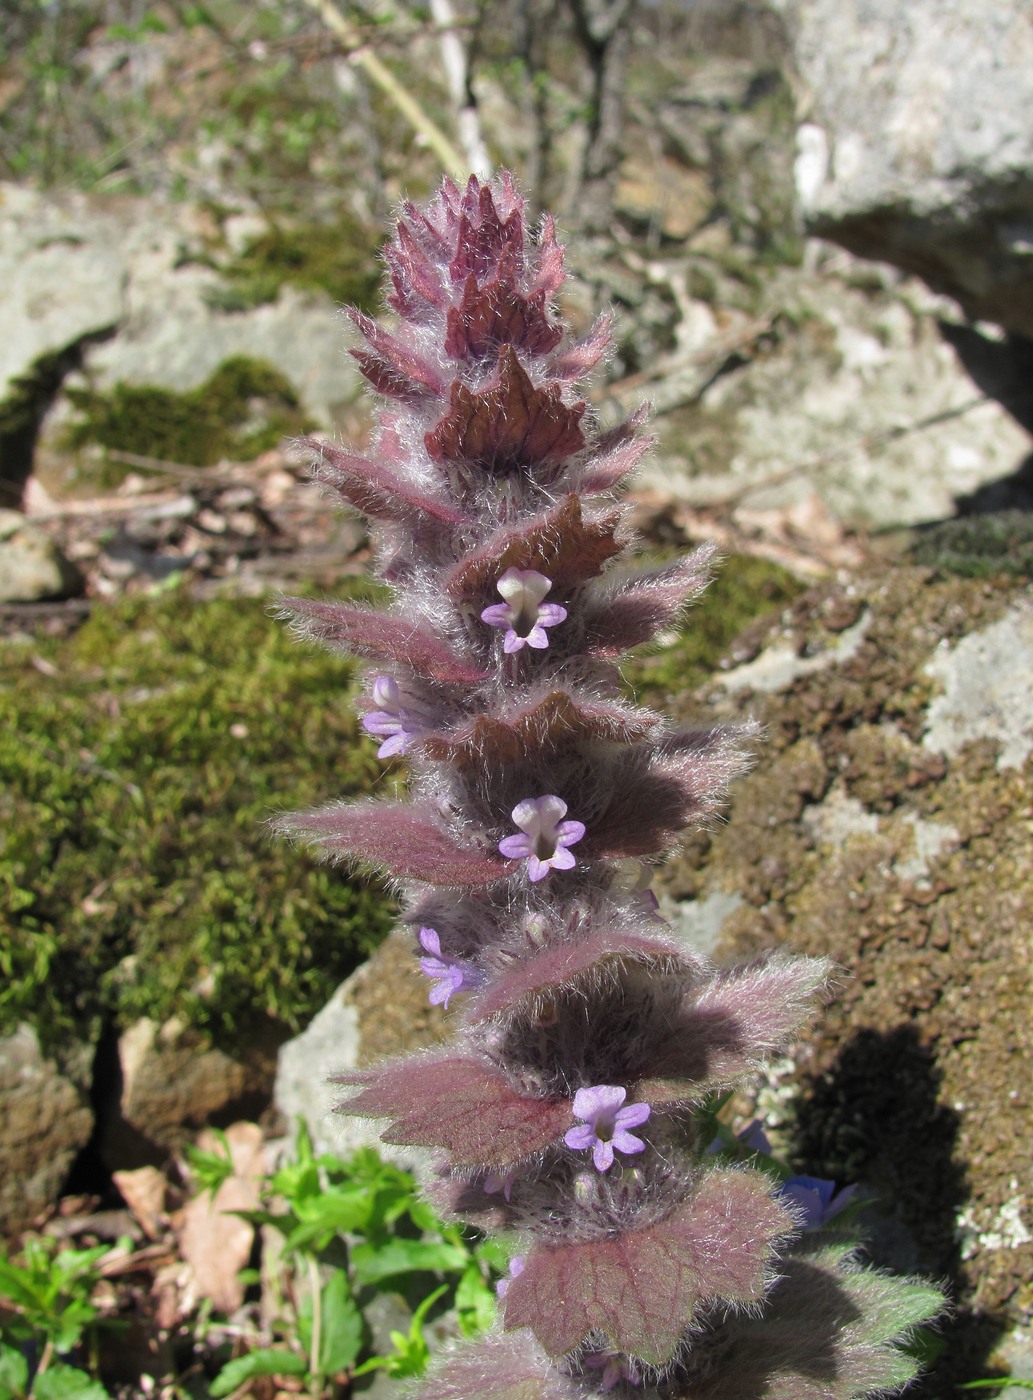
[649, 1265]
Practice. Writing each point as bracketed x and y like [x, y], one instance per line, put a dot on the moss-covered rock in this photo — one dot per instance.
[886, 824]
[244, 408]
[341, 258]
[140, 761]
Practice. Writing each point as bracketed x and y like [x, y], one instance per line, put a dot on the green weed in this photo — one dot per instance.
[351, 1229]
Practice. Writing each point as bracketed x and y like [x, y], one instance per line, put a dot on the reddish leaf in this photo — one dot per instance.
[507, 1367]
[392, 366]
[406, 839]
[827, 1332]
[728, 1026]
[415, 276]
[382, 636]
[615, 454]
[632, 610]
[375, 489]
[560, 962]
[661, 791]
[507, 424]
[577, 359]
[553, 728]
[486, 243]
[641, 1288]
[497, 314]
[462, 1105]
[549, 275]
[562, 544]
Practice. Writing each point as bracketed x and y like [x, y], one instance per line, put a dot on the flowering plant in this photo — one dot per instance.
[647, 1265]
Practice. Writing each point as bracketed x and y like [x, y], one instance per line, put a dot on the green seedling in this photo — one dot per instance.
[350, 1230]
[48, 1309]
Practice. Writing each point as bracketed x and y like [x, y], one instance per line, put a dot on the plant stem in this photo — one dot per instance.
[451, 159]
[315, 1367]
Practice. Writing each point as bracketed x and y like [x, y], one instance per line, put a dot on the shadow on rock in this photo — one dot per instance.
[875, 1117]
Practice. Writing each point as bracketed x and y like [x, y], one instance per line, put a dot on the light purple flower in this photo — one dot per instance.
[545, 838]
[523, 614]
[495, 1182]
[817, 1199]
[615, 1368]
[449, 974]
[392, 722]
[516, 1268]
[606, 1123]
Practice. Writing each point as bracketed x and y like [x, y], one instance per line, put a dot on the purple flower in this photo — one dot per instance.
[523, 614]
[614, 1366]
[516, 1268]
[392, 722]
[818, 1200]
[495, 1182]
[449, 974]
[606, 1123]
[545, 836]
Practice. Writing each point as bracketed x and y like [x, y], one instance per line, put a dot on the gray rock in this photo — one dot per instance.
[302, 1089]
[917, 141]
[77, 267]
[45, 1121]
[855, 396]
[59, 286]
[986, 690]
[172, 1083]
[31, 565]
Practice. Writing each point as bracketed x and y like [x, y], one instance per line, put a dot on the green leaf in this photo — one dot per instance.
[67, 1383]
[475, 1302]
[14, 1373]
[211, 1169]
[411, 1352]
[342, 1326]
[257, 1363]
[375, 1262]
[1019, 1382]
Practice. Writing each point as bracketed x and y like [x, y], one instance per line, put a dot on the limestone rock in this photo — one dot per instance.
[59, 287]
[853, 393]
[45, 1121]
[917, 142]
[172, 1081]
[80, 268]
[381, 1009]
[31, 565]
[886, 824]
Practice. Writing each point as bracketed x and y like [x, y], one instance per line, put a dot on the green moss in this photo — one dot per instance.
[244, 408]
[745, 588]
[138, 773]
[340, 258]
[978, 546]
